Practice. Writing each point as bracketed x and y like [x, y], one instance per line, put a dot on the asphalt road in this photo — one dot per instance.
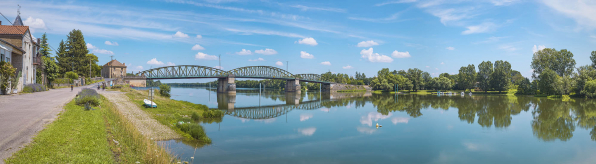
[22, 116]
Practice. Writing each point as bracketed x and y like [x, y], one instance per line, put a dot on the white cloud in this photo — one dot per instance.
[347, 67]
[325, 109]
[375, 57]
[218, 67]
[397, 54]
[154, 61]
[366, 130]
[199, 36]
[447, 15]
[394, 2]
[306, 55]
[267, 121]
[538, 48]
[180, 35]
[436, 68]
[503, 2]
[244, 52]
[139, 68]
[427, 66]
[369, 43]
[203, 56]
[34, 23]
[170, 64]
[90, 46]
[305, 116]
[326, 63]
[305, 8]
[264, 32]
[507, 48]
[582, 11]
[389, 19]
[481, 28]
[450, 48]
[373, 116]
[111, 43]
[442, 62]
[97, 50]
[279, 63]
[266, 51]
[197, 47]
[396, 120]
[308, 41]
[258, 59]
[308, 131]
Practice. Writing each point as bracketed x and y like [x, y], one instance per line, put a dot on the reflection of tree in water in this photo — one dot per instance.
[585, 113]
[553, 120]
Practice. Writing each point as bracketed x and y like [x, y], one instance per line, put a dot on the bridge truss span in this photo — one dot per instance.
[183, 71]
[261, 72]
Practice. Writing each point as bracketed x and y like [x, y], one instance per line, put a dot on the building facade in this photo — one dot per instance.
[113, 69]
[20, 36]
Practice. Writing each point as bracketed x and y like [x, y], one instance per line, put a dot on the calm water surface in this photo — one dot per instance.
[278, 127]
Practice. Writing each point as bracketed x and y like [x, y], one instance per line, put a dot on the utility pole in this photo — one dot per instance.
[219, 61]
[89, 68]
[287, 66]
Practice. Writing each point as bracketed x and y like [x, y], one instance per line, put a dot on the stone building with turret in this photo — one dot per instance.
[113, 69]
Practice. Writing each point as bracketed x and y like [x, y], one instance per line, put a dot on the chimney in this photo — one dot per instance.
[0, 22]
[38, 41]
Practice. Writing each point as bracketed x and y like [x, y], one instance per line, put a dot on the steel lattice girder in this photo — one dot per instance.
[267, 112]
[195, 71]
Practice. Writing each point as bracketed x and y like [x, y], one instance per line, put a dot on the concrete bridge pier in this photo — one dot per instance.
[227, 84]
[293, 85]
[326, 87]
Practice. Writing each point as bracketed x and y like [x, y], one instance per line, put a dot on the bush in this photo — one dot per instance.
[61, 81]
[195, 116]
[213, 114]
[195, 130]
[164, 90]
[71, 75]
[30, 88]
[87, 96]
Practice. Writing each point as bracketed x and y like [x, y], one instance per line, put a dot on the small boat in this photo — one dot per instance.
[149, 103]
[462, 93]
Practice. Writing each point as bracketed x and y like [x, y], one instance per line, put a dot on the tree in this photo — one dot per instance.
[593, 58]
[71, 75]
[442, 83]
[7, 72]
[485, 69]
[444, 75]
[164, 90]
[51, 69]
[426, 78]
[564, 85]
[467, 77]
[44, 50]
[76, 49]
[583, 75]
[415, 75]
[64, 62]
[548, 82]
[561, 62]
[516, 77]
[501, 76]
[525, 87]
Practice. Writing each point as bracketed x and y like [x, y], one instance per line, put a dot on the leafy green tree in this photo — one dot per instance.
[525, 87]
[71, 75]
[51, 69]
[426, 78]
[444, 75]
[561, 62]
[415, 75]
[516, 77]
[590, 89]
[564, 85]
[467, 77]
[501, 76]
[583, 75]
[7, 72]
[443, 83]
[593, 58]
[164, 90]
[485, 70]
[548, 82]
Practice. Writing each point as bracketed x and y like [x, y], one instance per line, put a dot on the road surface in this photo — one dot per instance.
[22, 116]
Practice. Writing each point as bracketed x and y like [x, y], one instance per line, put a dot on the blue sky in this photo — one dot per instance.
[436, 36]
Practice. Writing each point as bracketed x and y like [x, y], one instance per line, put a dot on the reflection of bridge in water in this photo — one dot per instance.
[227, 102]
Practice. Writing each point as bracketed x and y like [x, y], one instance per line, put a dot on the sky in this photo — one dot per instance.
[436, 36]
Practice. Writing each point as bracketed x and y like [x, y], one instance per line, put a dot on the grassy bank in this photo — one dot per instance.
[171, 112]
[91, 136]
[353, 90]
[426, 92]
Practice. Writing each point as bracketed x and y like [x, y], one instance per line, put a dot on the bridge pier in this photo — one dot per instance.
[293, 85]
[227, 84]
[226, 101]
[326, 87]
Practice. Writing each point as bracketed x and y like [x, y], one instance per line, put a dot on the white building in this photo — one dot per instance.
[21, 37]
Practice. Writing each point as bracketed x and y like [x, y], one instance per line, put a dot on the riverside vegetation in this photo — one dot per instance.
[182, 116]
[102, 135]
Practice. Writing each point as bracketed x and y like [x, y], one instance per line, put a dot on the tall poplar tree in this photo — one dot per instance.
[63, 60]
[77, 51]
[485, 69]
[501, 76]
[467, 77]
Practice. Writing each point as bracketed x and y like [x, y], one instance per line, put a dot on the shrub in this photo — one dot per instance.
[27, 89]
[61, 81]
[87, 96]
[213, 114]
[195, 130]
[164, 90]
[71, 75]
[34, 88]
[7, 72]
[195, 116]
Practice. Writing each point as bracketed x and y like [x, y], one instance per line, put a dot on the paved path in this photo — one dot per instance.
[22, 116]
[148, 126]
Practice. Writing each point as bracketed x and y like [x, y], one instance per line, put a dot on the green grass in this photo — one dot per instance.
[94, 136]
[353, 90]
[169, 112]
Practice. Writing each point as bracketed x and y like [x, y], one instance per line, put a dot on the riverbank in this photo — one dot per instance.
[181, 116]
[103, 135]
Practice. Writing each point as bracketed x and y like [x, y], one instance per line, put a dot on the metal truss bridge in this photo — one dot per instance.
[196, 71]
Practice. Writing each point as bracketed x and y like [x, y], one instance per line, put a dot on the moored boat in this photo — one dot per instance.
[149, 103]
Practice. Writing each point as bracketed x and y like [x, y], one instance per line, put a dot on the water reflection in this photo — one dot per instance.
[552, 119]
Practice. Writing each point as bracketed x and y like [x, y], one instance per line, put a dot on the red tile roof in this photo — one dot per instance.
[13, 29]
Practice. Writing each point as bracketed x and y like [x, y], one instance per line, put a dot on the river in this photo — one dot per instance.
[311, 127]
